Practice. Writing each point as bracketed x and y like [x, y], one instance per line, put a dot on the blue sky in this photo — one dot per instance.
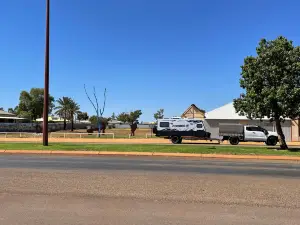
[148, 54]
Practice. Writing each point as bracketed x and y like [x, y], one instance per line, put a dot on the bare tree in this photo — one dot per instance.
[99, 111]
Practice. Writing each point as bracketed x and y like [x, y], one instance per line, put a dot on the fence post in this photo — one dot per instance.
[80, 135]
[20, 134]
[64, 135]
[113, 135]
[5, 135]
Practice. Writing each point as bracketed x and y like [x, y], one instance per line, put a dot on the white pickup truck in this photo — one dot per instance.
[236, 133]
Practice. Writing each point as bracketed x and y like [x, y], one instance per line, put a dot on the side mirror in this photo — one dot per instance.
[266, 132]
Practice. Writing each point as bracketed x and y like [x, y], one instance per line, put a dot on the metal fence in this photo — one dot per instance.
[51, 135]
[20, 134]
[80, 135]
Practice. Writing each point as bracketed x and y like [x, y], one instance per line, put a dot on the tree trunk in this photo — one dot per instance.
[99, 128]
[282, 142]
[65, 121]
[72, 124]
[132, 129]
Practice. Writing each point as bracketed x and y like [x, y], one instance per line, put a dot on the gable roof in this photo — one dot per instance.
[194, 107]
[228, 112]
[4, 113]
[224, 112]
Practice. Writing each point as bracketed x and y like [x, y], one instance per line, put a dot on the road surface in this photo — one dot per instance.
[138, 190]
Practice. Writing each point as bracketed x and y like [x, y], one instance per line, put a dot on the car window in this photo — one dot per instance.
[258, 129]
[249, 128]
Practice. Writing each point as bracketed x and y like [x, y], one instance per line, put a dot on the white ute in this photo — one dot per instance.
[236, 133]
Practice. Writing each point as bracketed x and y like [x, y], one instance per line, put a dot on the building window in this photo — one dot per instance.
[164, 124]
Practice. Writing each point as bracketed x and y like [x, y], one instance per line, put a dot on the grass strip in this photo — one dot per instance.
[204, 149]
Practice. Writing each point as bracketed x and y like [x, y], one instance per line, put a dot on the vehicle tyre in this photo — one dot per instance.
[234, 140]
[176, 139]
[154, 130]
[272, 141]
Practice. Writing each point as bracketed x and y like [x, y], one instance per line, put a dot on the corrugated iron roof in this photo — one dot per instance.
[2, 112]
[227, 112]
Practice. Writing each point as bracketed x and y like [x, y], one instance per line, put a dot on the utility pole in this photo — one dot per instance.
[46, 85]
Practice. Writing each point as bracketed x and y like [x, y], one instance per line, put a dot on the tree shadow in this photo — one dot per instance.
[200, 143]
[291, 149]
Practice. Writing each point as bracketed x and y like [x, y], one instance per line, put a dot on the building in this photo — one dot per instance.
[6, 117]
[53, 119]
[227, 114]
[296, 130]
[194, 112]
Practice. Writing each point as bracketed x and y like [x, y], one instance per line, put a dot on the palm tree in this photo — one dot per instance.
[63, 109]
[73, 110]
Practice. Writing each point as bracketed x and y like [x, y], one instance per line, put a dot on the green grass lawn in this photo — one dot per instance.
[205, 149]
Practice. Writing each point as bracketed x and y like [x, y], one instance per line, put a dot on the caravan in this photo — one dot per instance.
[177, 128]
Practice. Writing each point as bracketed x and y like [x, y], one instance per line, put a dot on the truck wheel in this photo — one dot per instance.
[176, 139]
[234, 140]
[272, 141]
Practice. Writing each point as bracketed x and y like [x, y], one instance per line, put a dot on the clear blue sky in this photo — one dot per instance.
[149, 54]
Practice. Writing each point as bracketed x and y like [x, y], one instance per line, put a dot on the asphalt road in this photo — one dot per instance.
[138, 190]
[158, 164]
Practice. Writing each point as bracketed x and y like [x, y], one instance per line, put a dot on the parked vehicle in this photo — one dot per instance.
[177, 129]
[236, 133]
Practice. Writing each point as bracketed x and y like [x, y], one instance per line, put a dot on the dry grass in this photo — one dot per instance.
[118, 133]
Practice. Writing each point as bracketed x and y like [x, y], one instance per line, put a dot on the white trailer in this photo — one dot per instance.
[177, 129]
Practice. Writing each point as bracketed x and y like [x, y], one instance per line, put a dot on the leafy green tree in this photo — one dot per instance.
[82, 116]
[271, 81]
[25, 115]
[159, 114]
[11, 110]
[131, 118]
[33, 103]
[62, 109]
[94, 120]
[113, 116]
[123, 117]
[103, 120]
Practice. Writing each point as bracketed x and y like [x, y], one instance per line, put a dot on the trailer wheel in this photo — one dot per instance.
[272, 141]
[176, 139]
[234, 140]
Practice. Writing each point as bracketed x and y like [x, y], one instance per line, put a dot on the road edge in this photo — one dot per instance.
[187, 155]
